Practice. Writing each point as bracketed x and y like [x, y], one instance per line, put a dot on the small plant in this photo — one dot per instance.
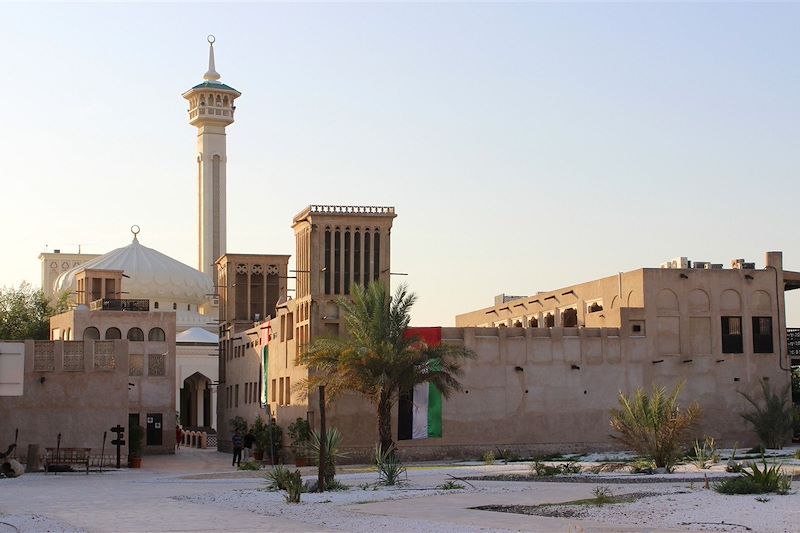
[602, 495]
[762, 499]
[571, 467]
[294, 487]
[332, 440]
[538, 468]
[643, 466]
[768, 478]
[390, 468]
[488, 457]
[277, 478]
[364, 486]
[653, 424]
[507, 455]
[251, 465]
[774, 422]
[705, 454]
[734, 465]
[797, 454]
[135, 441]
[450, 485]
[737, 485]
[333, 486]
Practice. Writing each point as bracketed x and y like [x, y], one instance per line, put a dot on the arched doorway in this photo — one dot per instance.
[195, 408]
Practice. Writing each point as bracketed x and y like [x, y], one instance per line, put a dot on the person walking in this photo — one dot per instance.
[237, 449]
[178, 437]
[249, 440]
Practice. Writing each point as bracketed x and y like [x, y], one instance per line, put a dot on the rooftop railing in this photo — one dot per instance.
[120, 305]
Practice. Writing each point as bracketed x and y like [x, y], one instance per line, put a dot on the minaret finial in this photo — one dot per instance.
[212, 74]
[135, 230]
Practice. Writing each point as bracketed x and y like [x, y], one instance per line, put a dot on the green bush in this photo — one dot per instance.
[654, 425]
[488, 457]
[332, 440]
[277, 478]
[238, 425]
[768, 478]
[705, 454]
[294, 487]
[774, 422]
[390, 468]
[268, 438]
[251, 465]
[737, 485]
[450, 485]
[643, 466]
[300, 435]
[135, 441]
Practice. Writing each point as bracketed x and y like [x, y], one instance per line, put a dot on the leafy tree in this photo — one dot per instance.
[377, 358]
[773, 423]
[654, 425]
[25, 313]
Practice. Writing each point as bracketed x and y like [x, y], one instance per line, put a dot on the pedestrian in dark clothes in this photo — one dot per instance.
[237, 449]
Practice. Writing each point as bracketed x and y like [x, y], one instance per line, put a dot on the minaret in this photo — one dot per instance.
[211, 110]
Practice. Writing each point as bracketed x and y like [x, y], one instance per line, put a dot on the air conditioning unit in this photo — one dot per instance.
[701, 264]
[748, 266]
[678, 262]
[741, 264]
[716, 266]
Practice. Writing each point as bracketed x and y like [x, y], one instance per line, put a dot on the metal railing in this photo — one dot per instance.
[129, 304]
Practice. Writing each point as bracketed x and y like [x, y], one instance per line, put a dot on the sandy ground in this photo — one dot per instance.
[197, 490]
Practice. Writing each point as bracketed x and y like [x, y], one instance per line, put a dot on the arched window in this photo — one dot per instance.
[549, 320]
[156, 334]
[113, 333]
[517, 324]
[91, 333]
[533, 322]
[188, 307]
[174, 306]
[155, 305]
[569, 318]
[135, 334]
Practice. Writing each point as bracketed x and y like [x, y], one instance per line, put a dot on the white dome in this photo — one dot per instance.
[151, 275]
[196, 336]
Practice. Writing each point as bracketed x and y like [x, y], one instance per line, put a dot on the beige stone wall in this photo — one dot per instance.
[55, 264]
[151, 365]
[78, 389]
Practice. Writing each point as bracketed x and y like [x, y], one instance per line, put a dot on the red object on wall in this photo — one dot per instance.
[430, 336]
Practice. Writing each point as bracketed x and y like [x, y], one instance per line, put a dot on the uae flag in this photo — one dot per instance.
[420, 409]
[266, 335]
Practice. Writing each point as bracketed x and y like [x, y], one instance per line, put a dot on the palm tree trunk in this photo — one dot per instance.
[385, 421]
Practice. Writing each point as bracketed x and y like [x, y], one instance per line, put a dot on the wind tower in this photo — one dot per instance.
[211, 108]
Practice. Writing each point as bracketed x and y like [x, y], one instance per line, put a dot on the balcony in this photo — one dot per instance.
[120, 305]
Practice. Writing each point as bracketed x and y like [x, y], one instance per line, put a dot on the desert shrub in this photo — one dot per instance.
[602, 495]
[774, 422]
[450, 485]
[737, 485]
[390, 468]
[334, 486]
[797, 454]
[277, 477]
[488, 457]
[654, 425]
[538, 468]
[643, 466]
[332, 440]
[705, 454]
[757, 480]
[250, 465]
[733, 465]
[294, 487]
[571, 467]
[507, 455]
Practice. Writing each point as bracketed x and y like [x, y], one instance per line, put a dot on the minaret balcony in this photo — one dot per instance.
[203, 113]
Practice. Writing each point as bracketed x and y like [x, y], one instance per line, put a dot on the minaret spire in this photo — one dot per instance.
[212, 74]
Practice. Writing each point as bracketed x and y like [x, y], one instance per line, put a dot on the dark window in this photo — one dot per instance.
[762, 334]
[135, 334]
[156, 334]
[236, 396]
[376, 263]
[549, 320]
[328, 270]
[174, 306]
[91, 333]
[357, 257]
[569, 318]
[113, 333]
[347, 262]
[637, 328]
[366, 257]
[337, 265]
[533, 322]
[595, 307]
[732, 334]
[155, 305]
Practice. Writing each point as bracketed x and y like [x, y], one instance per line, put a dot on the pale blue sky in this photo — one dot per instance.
[525, 146]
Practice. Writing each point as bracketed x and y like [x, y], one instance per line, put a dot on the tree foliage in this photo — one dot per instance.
[25, 313]
[377, 358]
[654, 425]
[773, 423]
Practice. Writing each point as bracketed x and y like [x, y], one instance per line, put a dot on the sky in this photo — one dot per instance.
[524, 146]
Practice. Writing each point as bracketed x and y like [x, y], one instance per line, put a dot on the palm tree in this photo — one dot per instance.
[377, 358]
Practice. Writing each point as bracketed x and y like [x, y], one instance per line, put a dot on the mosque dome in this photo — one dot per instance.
[149, 275]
